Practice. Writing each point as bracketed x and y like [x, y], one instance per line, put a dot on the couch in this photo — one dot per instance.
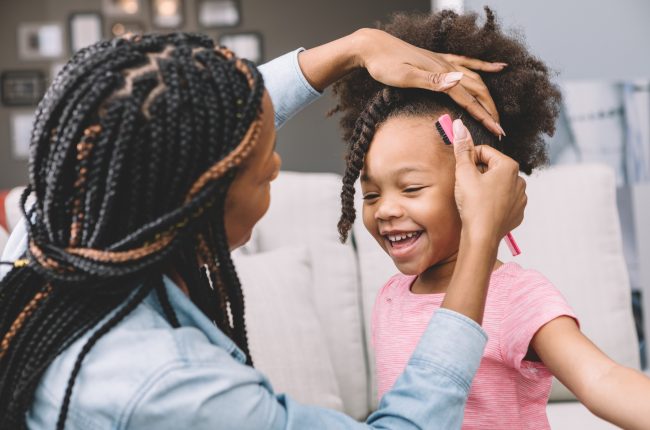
[309, 297]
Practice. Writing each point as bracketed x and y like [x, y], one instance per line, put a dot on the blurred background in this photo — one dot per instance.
[598, 49]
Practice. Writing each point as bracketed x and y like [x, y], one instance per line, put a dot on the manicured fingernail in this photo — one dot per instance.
[501, 130]
[453, 77]
[460, 132]
[502, 65]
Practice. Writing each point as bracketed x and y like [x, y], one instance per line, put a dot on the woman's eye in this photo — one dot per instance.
[370, 196]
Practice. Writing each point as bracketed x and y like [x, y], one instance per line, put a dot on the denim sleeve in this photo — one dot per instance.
[220, 392]
[289, 90]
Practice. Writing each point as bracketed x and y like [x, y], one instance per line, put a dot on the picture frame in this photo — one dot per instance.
[21, 123]
[84, 29]
[121, 8]
[40, 41]
[249, 45]
[22, 87]
[218, 13]
[167, 14]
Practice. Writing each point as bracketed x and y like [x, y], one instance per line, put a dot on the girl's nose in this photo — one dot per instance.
[388, 209]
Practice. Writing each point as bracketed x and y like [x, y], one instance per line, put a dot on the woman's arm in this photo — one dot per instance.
[613, 392]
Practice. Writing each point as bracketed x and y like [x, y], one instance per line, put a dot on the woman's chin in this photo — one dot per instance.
[239, 242]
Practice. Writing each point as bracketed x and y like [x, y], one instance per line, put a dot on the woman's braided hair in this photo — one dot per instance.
[133, 150]
[527, 100]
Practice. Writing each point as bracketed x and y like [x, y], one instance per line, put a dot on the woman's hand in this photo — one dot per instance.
[396, 63]
[399, 64]
[490, 194]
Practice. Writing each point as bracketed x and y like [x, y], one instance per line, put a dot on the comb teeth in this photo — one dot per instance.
[444, 136]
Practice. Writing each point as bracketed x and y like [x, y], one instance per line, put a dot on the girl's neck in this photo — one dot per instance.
[436, 279]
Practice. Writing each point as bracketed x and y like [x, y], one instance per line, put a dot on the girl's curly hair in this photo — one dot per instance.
[527, 101]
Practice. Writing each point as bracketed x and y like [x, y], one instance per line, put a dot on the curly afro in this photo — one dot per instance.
[527, 101]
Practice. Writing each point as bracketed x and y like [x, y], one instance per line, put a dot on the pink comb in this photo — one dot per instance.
[446, 129]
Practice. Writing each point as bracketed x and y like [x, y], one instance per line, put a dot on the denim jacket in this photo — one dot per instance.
[144, 374]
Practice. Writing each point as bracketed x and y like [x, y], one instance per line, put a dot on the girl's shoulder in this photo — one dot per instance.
[398, 283]
[511, 275]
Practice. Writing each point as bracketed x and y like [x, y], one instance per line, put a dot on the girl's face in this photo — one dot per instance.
[249, 194]
[408, 189]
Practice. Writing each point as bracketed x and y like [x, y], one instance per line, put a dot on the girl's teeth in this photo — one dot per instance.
[402, 236]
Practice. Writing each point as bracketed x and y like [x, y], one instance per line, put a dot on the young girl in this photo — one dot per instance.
[407, 180]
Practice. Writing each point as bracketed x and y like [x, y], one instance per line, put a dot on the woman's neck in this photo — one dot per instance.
[435, 279]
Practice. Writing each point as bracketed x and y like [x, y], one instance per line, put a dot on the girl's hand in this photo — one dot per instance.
[396, 63]
[490, 194]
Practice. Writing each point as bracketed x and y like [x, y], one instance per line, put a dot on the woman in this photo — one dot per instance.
[151, 159]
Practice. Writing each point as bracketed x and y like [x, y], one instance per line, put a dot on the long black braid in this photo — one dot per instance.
[133, 150]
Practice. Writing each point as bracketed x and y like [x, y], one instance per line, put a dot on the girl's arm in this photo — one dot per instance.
[613, 392]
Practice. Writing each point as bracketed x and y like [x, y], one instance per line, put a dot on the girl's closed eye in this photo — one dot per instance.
[414, 189]
[370, 196]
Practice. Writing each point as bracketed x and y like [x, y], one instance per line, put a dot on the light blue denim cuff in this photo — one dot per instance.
[289, 90]
[452, 342]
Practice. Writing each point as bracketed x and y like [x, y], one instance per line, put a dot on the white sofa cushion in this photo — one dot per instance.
[284, 332]
[304, 211]
[571, 233]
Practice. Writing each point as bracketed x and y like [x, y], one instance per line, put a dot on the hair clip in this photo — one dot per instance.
[22, 262]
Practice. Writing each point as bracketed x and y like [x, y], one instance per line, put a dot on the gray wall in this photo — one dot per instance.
[582, 39]
[309, 143]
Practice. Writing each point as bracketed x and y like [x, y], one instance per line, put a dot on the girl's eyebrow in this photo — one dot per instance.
[406, 169]
[364, 177]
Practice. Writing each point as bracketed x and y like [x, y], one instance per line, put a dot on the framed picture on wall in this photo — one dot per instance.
[121, 7]
[21, 130]
[85, 28]
[167, 13]
[218, 13]
[22, 87]
[247, 45]
[40, 41]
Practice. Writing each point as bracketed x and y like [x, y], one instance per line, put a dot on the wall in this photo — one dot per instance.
[310, 143]
[582, 39]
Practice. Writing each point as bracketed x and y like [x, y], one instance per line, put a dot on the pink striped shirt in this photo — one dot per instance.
[508, 392]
